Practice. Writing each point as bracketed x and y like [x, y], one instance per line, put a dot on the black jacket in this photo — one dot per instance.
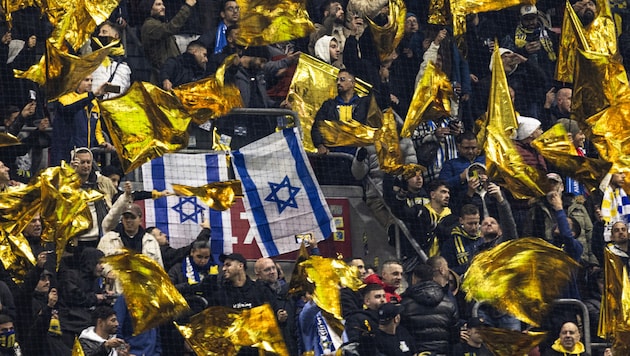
[181, 70]
[430, 316]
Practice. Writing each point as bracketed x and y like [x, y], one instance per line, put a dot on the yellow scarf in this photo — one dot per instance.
[436, 217]
[520, 40]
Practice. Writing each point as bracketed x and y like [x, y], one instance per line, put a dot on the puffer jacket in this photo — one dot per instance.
[430, 316]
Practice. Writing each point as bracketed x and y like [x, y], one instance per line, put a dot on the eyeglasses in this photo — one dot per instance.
[343, 79]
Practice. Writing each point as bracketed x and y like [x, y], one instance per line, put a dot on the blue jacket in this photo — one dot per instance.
[451, 170]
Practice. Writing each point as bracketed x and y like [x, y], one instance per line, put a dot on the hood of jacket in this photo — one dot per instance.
[426, 293]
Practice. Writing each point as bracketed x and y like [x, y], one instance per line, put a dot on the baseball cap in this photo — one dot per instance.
[133, 209]
[387, 312]
[234, 257]
[476, 322]
[529, 10]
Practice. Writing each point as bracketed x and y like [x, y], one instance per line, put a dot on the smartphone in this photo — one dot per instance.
[304, 238]
[32, 94]
[112, 88]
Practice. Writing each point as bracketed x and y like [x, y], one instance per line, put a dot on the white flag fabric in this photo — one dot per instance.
[281, 194]
[179, 217]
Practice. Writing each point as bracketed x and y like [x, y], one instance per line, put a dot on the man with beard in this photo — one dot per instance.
[98, 340]
[117, 72]
[185, 68]
[333, 25]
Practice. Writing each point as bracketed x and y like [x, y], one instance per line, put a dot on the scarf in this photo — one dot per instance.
[459, 234]
[520, 40]
[615, 207]
[191, 270]
[436, 217]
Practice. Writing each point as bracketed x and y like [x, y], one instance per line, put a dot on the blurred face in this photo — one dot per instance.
[34, 228]
[107, 31]
[579, 139]
[336, 10]
[115, 178]
[470, 223]
[109, 325]
[415, 183]
[475, 335]
[490, 228]
[441, 196]
[587, 12]
[468, 149]
[231, 269]
[569, 336]
[345, 83]
[374, 299]
[231, 13]
[160, 236]
[43, 285]
[201, 56]
[392, 274]
[98, 270]
[334, 50]
[85, 164]
[85, 85]
[200, 256]
[619, 233]
[4, 174]
[530, 21]
[411, 25]
[131, 223]
[266, 270]
[358, 263]
[617, 180]
[158, 8]
[563, 99]
[509, 62]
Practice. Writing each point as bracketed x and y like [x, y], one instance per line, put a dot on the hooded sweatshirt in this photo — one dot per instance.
[93, 344]
[322, 48]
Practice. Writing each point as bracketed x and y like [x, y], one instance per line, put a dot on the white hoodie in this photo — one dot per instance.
[91, 335]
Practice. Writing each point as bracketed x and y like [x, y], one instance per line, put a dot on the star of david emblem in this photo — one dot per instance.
[188, 209]
[283, 194]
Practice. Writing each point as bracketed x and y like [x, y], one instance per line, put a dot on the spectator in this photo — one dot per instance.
[455, 171]
[100, 339]
[365, 320]
[615, 203]
[360, 265]
[217, 40]
[391, 338]
[157, 35]
[215, 60]
[327, 49]
[185, 68]
[534, 40]
[557, 106]
[191, 271]
[391, 279]
[7, 302]
[568, 342]
[460, 248]
[576, 135]
[435, 142]
[410, 53]
[170, 255]
[117, 72]
[619, 238]
[8, 345]
[5, 177]
[429, 314]
[145, 343]
[333, 25]
[80, 120]
[481, 192]
[472, 342]
[436, 218]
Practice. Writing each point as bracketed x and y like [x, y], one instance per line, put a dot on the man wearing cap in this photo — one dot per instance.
[472, 344]
[391, 338]
[128, 233]
[534, 40]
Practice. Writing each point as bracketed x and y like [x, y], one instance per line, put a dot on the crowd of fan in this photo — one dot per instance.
[451, 209]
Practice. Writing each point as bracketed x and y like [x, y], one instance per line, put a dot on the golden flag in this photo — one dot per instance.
[264, 22]
[298, 276]
[313, 83]
[60, 72]
[329, 275]
[505, 342]
[388, 37]
[223, 331]
[6, 140]
[599, 37]
[461, 8]
[512, 277]
[504, 162]
[77, 350]
[16, 255]
[151, 298]
[387, 146]
[218, 144]
[145, 123]
[555, 146]
[346, 133]
[217, 195]
[74, 21]
[208, 99]
[611, 309]
[431, 99]
[439, 13]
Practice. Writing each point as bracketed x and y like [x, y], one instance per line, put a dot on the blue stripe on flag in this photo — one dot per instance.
[311, 188]
[159, 184]
[257, 208]
[215, 216]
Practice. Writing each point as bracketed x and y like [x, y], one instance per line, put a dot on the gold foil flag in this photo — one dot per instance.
[346, 133]
[218, 195]
[16, 255]
[77, 350]
[145, 123]
[265, 22]
[439, 12]
[313, 83]
[387, 147]
[224, 331]
[207, 99]
[461, 8]
[611, 310]
[329, 275]
[503, 342]
[431, 99]
[555, 146]
[504, 162]
[6, 140]
[299, 280]
[388, 37]
[598, 37]
[151, 298]
[513, 277]
[60, 72]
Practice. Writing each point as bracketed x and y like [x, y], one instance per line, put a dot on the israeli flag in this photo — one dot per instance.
[179, 217]
[281, 194]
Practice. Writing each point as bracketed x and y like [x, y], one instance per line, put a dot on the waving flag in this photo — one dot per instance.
[282, 197]
[179, 217]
